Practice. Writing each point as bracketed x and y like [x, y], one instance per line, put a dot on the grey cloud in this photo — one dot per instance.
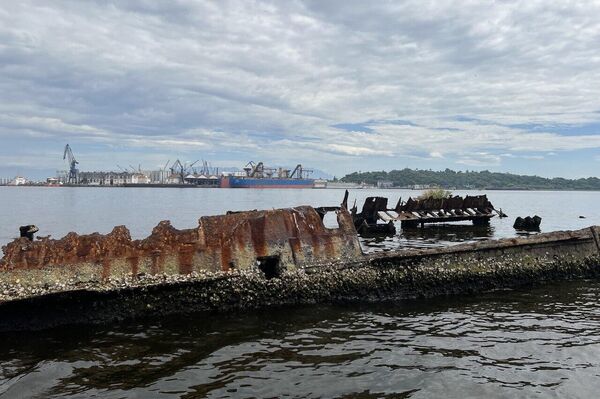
[258, 75]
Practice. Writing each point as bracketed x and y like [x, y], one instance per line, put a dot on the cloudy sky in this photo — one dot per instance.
[335, 85]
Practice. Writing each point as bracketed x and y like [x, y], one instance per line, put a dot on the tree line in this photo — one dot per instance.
[471, 180]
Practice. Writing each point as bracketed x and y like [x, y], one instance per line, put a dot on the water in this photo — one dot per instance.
[58, 210]
[543, 342]
[537, 342]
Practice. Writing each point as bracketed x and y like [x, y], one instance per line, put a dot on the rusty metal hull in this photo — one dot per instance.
[291, 238]
[260, 258]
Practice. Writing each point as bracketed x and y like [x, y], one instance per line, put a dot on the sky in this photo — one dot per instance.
[340, 86]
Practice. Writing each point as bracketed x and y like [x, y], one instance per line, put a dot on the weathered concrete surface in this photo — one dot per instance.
[96, 278]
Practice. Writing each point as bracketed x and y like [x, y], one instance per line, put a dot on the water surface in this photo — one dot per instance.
[542, 342]
[59, 210]
[537, 342]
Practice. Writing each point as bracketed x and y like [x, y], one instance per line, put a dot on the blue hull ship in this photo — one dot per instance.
[254, 182]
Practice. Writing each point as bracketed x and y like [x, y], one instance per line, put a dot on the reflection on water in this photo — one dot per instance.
[528, 343]
[429, 236]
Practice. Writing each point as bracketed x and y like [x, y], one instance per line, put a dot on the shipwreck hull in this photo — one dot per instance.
[283, 238]
[257, 259]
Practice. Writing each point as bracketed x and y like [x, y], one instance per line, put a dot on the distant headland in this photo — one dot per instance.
[417, 178]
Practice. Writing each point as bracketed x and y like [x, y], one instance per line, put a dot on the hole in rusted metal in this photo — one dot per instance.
[269, 265]
[330, 220]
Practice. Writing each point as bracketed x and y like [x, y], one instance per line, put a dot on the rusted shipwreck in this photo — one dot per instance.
[253, 259]
[414, 212]
[271, 241]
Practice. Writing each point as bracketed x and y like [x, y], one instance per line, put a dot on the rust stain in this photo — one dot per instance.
[241, 240]
[225, 257]
[329, 247]
[156, 264]
[134, 263]
[257, 229]
[216, 244]
[316, 245]
[105, 269]
[186, 256]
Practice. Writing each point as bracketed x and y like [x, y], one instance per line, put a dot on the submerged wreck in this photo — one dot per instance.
[252, 259]
[414, 212]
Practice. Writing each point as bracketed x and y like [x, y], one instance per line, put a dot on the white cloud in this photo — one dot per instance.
[242, 80]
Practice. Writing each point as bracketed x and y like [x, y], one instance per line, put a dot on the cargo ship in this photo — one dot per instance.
[260, 176]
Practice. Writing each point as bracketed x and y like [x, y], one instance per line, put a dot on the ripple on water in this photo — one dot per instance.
[523, 343]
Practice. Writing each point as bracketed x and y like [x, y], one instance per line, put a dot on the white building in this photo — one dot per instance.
[104, 178]
[18, 181]
[139, 178]
[320, 183]
[174, 179]
[385, 184]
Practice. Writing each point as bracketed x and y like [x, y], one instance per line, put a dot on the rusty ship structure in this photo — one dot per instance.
[256, 259]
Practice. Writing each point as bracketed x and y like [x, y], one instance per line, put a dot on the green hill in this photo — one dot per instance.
[470, 179]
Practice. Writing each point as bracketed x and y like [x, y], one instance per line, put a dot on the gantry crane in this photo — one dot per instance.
[181, 170]
[73, 172]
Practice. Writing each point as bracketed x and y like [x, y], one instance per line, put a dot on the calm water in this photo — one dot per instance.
[56, 211]
[511, 344]
[542, 342]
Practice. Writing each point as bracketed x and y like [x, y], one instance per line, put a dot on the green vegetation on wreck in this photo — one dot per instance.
[470, 179]
[435, 193]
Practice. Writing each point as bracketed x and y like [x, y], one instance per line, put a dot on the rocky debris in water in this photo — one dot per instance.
[528, 223]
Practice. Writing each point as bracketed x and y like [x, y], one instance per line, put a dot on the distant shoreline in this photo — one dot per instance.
[459, 180]
[314, 188]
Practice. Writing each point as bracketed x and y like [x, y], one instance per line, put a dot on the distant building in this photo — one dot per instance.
[174, 179]
[345, 185]
[385, 184]
[158, 176]
[18, 181]
[202, 180]
[420, 186]
[139, 178]
[104, 178]
[320, 183]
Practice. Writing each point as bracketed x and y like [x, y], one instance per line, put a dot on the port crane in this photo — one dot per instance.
[181, 170]
[299, 172]
[259, 170]
[73, 172]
